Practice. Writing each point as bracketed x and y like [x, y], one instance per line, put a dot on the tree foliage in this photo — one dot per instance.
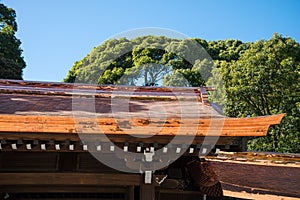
[265, 81]
[250, 79]
[145, 60]
[11, 61]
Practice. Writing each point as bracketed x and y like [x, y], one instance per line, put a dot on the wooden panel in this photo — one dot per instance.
[28, 161]
[68, 196]
[87, 163]
[69, 179]
[62, 189]
[67, 161]
[173, 194]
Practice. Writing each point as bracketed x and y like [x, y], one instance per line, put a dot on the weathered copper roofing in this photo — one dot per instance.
[71, 108]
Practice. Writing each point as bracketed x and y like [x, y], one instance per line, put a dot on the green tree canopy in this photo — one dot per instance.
[250, 79]
[265, 81]
[11, 61]
[149, 60]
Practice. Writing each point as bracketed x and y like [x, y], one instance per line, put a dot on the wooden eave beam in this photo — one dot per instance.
[234, 127]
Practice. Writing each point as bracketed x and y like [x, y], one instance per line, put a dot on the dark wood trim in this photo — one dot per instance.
[62, 189]
[67, 162]
[147, 192]
[108, 138]
[176, 191]
[130, 193]
[62, 179]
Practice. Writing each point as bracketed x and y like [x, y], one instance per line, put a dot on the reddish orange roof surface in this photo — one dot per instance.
[67, 108]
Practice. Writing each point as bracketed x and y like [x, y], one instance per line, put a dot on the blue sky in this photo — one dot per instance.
[56, 33]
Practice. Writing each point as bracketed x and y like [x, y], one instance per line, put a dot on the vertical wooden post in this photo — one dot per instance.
[147, 192]
[130, 194]
[244, 143]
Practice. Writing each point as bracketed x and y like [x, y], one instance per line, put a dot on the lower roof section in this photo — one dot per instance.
[41, 107]
[143, 127]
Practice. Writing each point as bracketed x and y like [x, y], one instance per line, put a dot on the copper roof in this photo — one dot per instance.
[27, 106]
